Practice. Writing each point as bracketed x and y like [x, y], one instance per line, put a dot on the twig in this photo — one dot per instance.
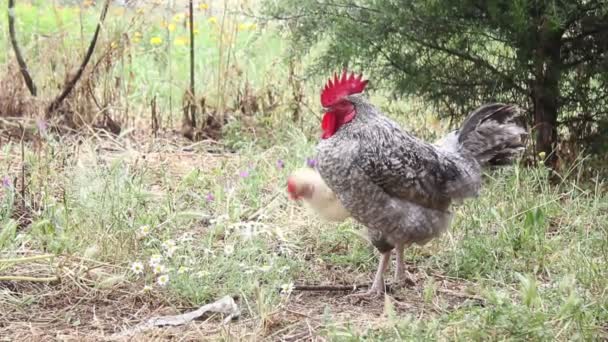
[192, 96]
[22, 166]
[30, 279]
[329, 287]
[22, 66]
[72, 82]
[26, 259]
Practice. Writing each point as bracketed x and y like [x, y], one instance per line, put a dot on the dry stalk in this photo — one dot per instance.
[22, 66]
[72, 82]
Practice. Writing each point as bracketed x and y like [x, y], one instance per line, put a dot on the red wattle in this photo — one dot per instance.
[329, 125]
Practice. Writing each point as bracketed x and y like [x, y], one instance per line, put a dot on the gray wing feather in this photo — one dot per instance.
[409, 169]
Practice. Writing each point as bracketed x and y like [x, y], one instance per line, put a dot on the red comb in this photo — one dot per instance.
[341, 86]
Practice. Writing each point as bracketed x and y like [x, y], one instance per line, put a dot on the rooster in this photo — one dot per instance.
[400, 187]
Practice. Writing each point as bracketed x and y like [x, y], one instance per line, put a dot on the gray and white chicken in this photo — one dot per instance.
[398, 186]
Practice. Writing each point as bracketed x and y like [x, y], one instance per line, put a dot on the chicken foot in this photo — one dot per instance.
[378, 285]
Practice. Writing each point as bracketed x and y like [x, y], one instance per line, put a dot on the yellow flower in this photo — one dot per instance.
[178, 17]
[114, 45]
[171, 27]
[195, 31]
[542, 155]
[246, 27]
[212, 20]
[156, 40]
[202, 6]
[181, 41]
[136, 39]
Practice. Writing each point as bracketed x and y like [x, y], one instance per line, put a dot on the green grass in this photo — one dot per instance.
[535, 255]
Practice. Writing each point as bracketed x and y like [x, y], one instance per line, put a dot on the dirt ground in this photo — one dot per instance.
[70, 310]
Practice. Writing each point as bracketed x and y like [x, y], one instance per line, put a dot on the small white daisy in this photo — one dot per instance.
[137, 267]
[168, 244]
[286, 289]
[163, 280]
[144, 230]
[158, 269]
[147, 288]
[170, 251]
[228, 249]
[155, 259]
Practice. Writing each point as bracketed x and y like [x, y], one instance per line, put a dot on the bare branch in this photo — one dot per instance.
[22, 66]
[72, 82]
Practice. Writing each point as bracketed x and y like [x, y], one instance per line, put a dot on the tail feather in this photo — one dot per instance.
[494, 134]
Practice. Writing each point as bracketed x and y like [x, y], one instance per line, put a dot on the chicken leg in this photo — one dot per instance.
[401, 275]
[378, 285]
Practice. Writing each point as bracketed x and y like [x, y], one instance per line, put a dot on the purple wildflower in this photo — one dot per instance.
[42, 126]
[244, 174]
[6, 182]
[311, 162]
[210, 197]
[280, 164]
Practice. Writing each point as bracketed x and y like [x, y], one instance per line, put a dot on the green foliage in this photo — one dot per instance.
[547, 56]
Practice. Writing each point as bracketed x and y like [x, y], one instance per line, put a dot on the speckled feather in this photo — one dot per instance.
[401, 187]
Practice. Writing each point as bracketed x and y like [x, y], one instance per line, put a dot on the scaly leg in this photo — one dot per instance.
[378, 284]
[400, 268]
[401, 275]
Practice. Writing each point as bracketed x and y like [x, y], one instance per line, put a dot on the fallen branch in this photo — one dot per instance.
[22, 66]
[329, 287]
[72, 82]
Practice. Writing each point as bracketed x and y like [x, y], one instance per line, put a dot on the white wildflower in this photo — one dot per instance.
[170, 251]
[147, 288]
[144, 230]
[158, 269]
[228, 249]
[286, 289]
[155, 260]
[163, 280]
[168, 244]
[137, 267]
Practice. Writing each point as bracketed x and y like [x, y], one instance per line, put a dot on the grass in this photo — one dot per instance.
[524, 261]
